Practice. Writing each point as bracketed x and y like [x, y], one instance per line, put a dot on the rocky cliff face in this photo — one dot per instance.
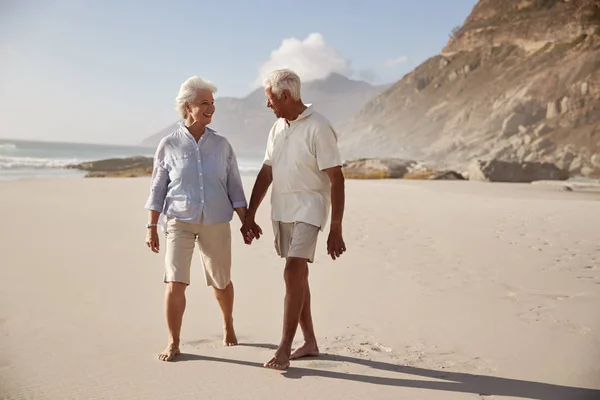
[520, 81]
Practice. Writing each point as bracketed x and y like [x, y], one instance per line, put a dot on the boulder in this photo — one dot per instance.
[116, 167]
[115, 164]
[542, 129]
[377, 168]
[584, 89]
[565, 105]
[432, 174]
[511, 125]
[504, 171]
[552, 110]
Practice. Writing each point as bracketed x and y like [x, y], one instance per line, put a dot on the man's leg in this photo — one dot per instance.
[296, 282]
[225, 299]
[309, 348]
[174, 309]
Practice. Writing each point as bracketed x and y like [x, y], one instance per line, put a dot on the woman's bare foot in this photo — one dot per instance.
[170, 352]
[306, 350]
[278, 362]
[229, 338]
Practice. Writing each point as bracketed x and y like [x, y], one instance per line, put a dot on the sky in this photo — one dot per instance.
[108, 71]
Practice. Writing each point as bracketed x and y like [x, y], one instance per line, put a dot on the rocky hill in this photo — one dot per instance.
[519, 81]
[246, 121]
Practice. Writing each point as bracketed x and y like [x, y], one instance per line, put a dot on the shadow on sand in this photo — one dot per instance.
[447, 381]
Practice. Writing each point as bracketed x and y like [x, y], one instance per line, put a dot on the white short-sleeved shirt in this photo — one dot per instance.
[298, 153]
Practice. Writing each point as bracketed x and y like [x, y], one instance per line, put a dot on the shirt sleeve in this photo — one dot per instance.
[269, 151]
[235, 188]
[159, 183]
[326, 148]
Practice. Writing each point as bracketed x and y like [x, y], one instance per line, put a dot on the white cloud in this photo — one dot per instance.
[394, 62]
[310, 58]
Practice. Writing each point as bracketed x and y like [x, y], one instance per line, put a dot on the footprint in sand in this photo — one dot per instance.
[362, 346]
[322, 364]
[204, 343]
[445, 360]
[536, 314]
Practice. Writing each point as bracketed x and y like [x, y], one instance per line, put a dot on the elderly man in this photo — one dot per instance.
[303, 162]
[196, 186]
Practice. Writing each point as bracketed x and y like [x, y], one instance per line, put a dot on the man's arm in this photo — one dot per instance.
[335, 242]
[261, 186]
[338, 196]
[250, 230]
[235, 188]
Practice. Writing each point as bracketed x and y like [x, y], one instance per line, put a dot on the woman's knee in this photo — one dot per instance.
[176, 288]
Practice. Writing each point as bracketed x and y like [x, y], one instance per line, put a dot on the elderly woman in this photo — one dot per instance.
[196, 186]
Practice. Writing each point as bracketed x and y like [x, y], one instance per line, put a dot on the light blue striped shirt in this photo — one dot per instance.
[191, 179]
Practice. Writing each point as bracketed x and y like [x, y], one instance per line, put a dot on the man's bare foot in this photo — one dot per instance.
[170, 352]
[306, 350]
[229, 338]
[278, 362]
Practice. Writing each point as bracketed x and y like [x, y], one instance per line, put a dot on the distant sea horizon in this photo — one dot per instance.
[31, 159]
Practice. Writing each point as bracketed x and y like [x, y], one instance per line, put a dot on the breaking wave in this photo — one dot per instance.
[12, 163]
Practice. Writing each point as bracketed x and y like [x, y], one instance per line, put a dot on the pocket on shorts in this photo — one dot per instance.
[277, 234]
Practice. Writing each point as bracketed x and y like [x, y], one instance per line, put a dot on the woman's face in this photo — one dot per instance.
[202, 109]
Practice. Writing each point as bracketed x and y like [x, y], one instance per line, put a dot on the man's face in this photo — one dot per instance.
[203, 108]
[278, 105]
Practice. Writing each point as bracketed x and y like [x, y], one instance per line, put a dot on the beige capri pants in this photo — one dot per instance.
[214, 242]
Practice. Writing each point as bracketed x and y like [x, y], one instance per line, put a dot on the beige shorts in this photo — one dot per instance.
[214, 242]
[296, 239]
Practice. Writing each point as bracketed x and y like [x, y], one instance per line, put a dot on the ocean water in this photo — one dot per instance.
[22, 159]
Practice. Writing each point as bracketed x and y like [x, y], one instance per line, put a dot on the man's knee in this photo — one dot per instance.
[296, 270]
[222, 288]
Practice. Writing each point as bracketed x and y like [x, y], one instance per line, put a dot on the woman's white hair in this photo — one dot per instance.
[188, 91]
[283, 79]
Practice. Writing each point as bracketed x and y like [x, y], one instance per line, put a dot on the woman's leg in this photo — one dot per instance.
[215, 247]
[180, 242]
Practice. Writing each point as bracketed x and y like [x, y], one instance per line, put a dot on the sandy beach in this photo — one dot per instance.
[449, 290]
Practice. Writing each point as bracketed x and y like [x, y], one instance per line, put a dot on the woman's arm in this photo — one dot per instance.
[156, 200]
[235, 188]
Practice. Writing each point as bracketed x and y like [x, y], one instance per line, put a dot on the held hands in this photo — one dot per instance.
[335, 242]
[152, 239]
[250, 230]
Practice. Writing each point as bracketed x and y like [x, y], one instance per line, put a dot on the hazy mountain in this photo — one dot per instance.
[246, 121]
[519, 81]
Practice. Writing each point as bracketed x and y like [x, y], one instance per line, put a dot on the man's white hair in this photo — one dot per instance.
[283, 79]
[189, 90]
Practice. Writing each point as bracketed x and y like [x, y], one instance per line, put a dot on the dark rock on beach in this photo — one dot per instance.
[128, 167]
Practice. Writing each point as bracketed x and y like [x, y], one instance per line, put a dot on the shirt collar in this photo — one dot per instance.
[305, 114]
[185, 130]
